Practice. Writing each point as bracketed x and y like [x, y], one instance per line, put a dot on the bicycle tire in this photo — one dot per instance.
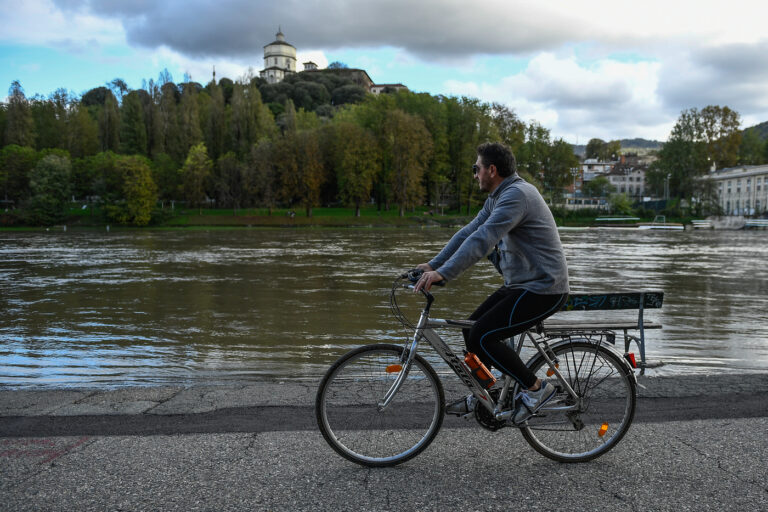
[607, 387]
[347, 413]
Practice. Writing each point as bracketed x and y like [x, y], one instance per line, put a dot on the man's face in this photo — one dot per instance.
[483, 176]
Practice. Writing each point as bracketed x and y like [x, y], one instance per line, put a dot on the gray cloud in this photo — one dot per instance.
[733, 75]
[425, 28]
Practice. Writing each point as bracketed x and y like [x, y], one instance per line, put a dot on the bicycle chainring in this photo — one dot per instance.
[485, 418]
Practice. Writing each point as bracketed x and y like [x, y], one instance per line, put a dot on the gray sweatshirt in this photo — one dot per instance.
[517, 220]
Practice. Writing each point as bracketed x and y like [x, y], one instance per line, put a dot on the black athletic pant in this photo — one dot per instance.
[507, 312]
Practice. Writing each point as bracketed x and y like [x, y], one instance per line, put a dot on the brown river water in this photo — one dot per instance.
[135, 307]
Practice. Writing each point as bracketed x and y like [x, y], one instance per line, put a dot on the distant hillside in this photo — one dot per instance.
[581, 149]
[761, 129]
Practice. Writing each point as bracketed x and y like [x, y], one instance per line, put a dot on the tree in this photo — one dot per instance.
[189, 121]
[310, 95]
[682, 158]
[215, 128]
[410, 146]
[357, 163]
[195, 172]
[287, 120]
[19, 123]
[721, 133]
[109, 123]
[594, 148]
[50, 122]
[139, 192]
[620, 204]
[598, 187]
[462, 140]
[100, 176]
[16, 163]
[298, 160]
[510, 128]
[167, 176]
[119, 88]
[133, 131]
[603, 151]
[229, 182]
[50, 185]
[82, 133]
[168, 132]
[261, 178]
[95, 97]
[751, 150]
[533, 155]
[351, 93]
[557, 171]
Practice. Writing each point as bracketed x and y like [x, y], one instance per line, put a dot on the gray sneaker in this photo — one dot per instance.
[462, 406]
[530, 401]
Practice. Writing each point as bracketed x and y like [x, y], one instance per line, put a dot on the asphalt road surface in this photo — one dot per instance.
[695, 445]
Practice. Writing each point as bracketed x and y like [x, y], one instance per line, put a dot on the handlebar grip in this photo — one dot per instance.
[413, 276]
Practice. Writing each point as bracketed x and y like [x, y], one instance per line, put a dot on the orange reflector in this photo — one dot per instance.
[603, 430]
[631, 358]
[551, 372]
[394, 368]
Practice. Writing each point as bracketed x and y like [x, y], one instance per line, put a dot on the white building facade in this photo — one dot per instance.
[279, 60]
[742, 190]
[629, 181]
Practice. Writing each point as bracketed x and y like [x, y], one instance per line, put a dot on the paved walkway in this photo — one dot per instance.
[697, 444]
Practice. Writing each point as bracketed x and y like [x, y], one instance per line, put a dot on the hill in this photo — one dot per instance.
[761, 130]
[581, 149]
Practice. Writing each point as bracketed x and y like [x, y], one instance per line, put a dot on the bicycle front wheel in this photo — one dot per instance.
[348, 409]
[569, 430]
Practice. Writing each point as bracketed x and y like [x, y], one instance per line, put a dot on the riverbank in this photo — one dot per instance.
[331, 217]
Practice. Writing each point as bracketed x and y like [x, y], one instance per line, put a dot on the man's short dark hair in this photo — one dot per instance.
[495, 153]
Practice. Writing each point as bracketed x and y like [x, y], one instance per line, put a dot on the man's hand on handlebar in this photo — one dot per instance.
[427, 278]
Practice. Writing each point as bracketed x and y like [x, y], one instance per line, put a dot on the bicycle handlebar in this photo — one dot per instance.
[413, 276]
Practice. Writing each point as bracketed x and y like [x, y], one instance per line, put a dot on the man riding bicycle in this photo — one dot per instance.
[516, 231]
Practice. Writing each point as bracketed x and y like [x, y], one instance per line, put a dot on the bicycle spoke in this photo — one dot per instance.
[605, 410]
[348, 409]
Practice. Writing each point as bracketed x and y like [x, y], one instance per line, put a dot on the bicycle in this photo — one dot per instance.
[383, 404]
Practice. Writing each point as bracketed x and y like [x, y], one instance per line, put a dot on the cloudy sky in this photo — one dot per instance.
[581, 69]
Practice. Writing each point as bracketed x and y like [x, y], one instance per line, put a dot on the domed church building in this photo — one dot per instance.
[279, 60]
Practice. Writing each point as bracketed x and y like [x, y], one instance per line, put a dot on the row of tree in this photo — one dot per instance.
[223, 145]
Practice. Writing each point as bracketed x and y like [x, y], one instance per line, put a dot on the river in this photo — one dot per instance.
[141, 307]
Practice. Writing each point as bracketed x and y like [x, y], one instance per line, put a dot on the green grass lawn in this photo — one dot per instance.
[370, 216]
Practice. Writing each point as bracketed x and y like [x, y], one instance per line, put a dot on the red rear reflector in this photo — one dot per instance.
[394, 368]
[631, 358]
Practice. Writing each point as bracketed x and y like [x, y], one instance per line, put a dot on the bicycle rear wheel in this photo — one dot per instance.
[348, 414]
[567, 432]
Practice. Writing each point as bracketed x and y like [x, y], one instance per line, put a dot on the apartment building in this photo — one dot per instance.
[742, 190]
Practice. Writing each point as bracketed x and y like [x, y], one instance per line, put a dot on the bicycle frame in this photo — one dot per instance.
[425, 329]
